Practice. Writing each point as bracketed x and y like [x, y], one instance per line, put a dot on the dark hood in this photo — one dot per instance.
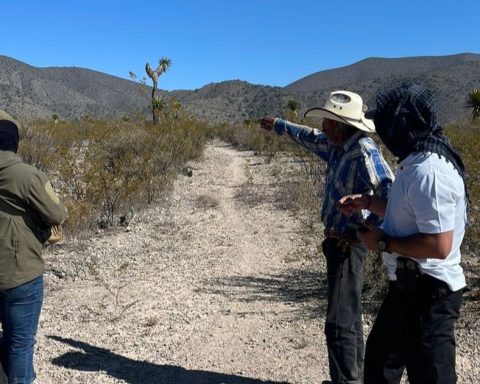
[9, 133]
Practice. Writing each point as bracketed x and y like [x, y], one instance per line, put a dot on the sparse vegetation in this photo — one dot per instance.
[113, 306]
[465, 137]
[104, 168]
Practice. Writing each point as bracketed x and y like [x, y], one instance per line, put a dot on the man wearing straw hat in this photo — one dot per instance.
[354, 164]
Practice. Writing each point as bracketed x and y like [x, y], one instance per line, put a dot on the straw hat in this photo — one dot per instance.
[345, 107]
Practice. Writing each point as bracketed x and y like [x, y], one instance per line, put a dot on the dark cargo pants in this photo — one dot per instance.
[343, 326]
[414, 330]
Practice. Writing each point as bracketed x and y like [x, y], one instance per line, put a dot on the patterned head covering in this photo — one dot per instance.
[404, 117]
[406, 121]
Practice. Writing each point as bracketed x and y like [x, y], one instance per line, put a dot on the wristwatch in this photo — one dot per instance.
[384, 243]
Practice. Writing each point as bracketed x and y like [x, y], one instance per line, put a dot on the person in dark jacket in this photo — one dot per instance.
[28, 208]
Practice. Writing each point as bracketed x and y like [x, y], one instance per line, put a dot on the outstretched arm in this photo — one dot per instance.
[267, 122]
[312, 139]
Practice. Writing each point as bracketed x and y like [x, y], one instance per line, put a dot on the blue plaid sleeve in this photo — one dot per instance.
[375, 171]
[310, 138]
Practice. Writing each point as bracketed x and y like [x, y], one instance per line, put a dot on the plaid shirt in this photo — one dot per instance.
[355, 167]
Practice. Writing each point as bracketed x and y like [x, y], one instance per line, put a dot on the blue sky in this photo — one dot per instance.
[270, 42]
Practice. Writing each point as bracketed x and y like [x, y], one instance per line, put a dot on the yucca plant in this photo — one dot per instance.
[293, 107]
[163, 65]
[473, 103]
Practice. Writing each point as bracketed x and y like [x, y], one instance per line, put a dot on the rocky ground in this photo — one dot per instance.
[214, 285]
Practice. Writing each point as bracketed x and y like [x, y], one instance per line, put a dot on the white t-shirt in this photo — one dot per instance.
[428, 196]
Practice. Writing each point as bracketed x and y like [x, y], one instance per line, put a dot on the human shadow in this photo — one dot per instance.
[305, 290]
[91, 358]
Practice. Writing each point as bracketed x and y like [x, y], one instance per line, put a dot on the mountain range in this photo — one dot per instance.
[70, 92]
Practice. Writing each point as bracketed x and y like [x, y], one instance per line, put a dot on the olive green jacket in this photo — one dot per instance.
[28, 208]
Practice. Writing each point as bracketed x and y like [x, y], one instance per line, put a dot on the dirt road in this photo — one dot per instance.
[213, 291]
[211, 286]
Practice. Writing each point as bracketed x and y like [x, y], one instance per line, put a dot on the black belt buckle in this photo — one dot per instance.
[408, 274]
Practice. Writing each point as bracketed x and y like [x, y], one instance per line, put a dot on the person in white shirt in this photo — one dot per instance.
[424, 225]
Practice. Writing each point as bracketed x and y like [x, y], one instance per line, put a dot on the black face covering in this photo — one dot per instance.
[9, 136]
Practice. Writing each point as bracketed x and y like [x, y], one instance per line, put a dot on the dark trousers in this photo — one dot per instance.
[414, 329]
[343, 327]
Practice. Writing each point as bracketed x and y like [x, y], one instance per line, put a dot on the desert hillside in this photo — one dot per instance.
[71, 93]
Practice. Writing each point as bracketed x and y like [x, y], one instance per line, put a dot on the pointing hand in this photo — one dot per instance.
[267, 122]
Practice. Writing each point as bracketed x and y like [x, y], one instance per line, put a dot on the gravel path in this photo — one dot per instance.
[210, 287]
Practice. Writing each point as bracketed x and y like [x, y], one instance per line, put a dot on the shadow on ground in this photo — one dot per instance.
[304, 290]
[90, 358]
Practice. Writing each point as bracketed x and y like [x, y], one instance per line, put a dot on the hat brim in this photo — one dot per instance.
[364, 124]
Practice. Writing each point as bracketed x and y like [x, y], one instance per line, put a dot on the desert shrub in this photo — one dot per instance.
[38, 147]
[251, 136]
[102, 168]
[167, 148]
[113, 174]
[54, 149]
[465, 138]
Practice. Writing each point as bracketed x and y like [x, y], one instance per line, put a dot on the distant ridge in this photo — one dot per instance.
[377, 67]
[68, 92]
[30, 92]
[449, 77]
